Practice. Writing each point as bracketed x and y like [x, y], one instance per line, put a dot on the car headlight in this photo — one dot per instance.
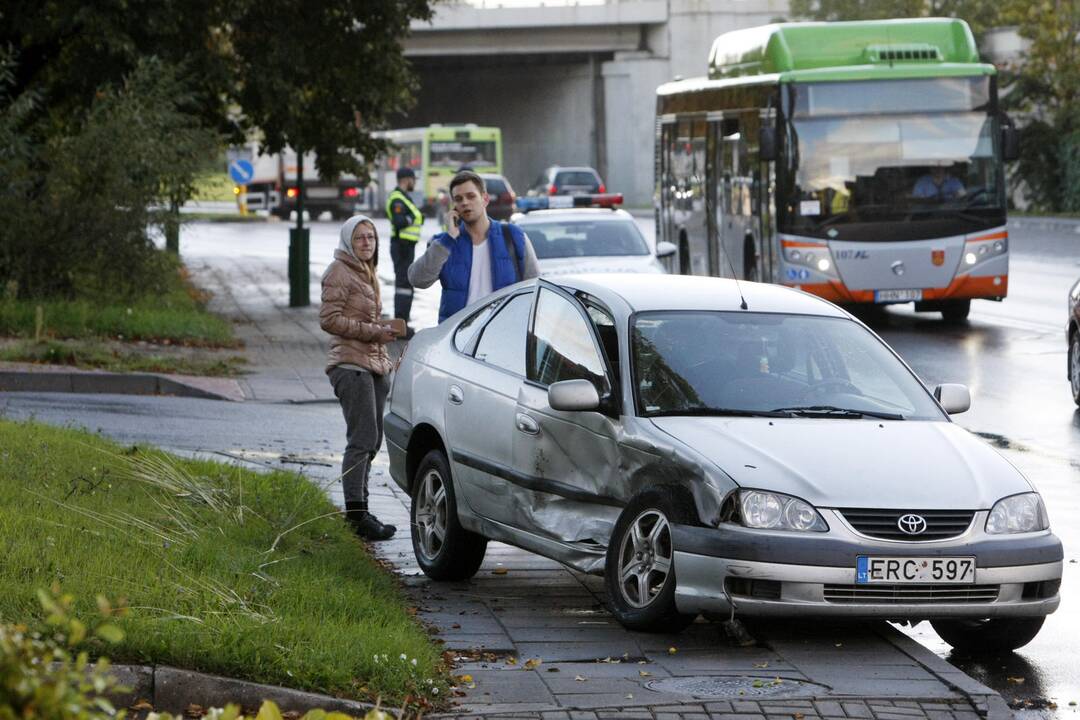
[1017, 514]
[773, 511]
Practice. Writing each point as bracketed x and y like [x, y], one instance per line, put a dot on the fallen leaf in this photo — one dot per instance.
[1016, 680]
[644, 673]
[141, 705]
[839, 644]
[581, 678]
[761, 665]
[456, 626]
[798, 716]
[464, 678]
[629, 696]
[532, 664]
[672, 650]
[499, 570]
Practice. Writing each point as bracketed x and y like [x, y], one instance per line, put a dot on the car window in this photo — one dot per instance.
[503, 341]
[694, 361]
[467, 329]
[562, 239]
[563, 347]
[495, 186]
[577, 178]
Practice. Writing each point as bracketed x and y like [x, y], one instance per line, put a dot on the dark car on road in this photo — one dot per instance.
[1072, 333]
[502, 196]
[557, 180]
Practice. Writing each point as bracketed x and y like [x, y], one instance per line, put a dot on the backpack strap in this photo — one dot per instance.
[508, 238]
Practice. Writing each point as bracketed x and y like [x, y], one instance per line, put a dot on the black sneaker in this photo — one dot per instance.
[368, 527]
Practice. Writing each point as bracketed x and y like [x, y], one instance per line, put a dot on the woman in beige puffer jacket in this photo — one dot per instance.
[358, 364]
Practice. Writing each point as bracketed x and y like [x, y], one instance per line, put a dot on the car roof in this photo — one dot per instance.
[573, 168]
[650, 292]
[572, 215]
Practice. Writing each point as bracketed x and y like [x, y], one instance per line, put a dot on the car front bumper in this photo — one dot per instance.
[764, 573]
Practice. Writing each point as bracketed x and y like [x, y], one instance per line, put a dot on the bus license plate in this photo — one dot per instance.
[903, 570]
[897, 295]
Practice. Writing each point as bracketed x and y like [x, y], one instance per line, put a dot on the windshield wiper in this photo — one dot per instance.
[838, 412]
[720, 412]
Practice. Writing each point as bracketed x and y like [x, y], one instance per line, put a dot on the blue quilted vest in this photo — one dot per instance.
[458, 268]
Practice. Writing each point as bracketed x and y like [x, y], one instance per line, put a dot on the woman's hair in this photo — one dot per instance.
[369, 266]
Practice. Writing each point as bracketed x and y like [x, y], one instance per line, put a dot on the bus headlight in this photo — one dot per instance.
[815, 258]
[979, 251]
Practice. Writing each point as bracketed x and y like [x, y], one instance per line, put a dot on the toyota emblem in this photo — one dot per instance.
[912, 524]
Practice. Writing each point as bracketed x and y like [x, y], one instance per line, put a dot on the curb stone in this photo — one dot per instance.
[172, 690]
[48, 381]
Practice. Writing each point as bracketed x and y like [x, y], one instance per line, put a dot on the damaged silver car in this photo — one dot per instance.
[713, 447]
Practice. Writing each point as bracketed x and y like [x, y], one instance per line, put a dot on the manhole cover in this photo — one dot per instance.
[730, 686]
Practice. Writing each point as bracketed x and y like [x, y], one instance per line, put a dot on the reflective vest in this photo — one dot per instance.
[412, 232]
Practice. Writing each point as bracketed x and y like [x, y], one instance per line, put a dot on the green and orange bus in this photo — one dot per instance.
[859, 161]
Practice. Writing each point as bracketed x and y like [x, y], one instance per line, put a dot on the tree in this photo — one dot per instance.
[1045, 88]
[981, 15]
[300, 72]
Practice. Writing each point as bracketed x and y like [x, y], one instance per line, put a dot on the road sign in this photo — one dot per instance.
[241, 171]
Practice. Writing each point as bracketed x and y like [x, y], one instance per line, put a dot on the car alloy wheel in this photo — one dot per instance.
[1074, 366]
[431, 514]
[645, 558]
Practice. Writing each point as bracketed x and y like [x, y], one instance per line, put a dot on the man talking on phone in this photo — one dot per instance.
[476, 255]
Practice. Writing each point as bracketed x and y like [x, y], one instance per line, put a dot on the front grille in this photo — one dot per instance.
[940, 524]
[910, 594]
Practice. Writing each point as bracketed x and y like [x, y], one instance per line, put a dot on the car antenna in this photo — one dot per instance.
[738, 287]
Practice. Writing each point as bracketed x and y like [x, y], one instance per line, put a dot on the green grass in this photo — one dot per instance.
[178, 316]
[224, 570]
[83, 354]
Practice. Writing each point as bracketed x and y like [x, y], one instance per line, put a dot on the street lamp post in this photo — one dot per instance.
[299, 247]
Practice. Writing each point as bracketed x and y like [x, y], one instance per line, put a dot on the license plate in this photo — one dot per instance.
[897, 295]
[903, 570]
[322, 193]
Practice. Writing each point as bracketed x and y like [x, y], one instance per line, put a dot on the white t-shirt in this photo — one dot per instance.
[480, 278]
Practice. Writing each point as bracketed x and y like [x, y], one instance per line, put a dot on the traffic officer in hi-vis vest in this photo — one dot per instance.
[405, 222]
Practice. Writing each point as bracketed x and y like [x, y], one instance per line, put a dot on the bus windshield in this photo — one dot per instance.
[881, 153]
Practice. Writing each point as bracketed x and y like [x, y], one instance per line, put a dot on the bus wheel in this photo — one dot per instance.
[955, 311]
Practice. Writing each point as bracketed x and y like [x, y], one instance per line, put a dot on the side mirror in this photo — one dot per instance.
[767, 143]
[665, 249]
[1010, 139]
[954, 398]
[573, 395]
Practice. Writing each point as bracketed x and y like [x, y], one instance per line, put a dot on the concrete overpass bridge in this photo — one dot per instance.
[569, 84]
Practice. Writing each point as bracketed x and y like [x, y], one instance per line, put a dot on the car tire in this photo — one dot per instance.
[987, 636]
[639, 573]
[1074, 365]
[954, 311]
[443, 548]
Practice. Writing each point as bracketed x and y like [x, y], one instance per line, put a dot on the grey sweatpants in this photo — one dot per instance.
[362, 396]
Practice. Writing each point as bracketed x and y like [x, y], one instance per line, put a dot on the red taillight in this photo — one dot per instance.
[602, 189]
[291, 192]
[351, 192]
[551, 189]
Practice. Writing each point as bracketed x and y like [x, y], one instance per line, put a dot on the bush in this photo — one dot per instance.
[78, 206]
[40, 679]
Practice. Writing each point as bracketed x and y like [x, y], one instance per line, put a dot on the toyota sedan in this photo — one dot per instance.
[718, 448]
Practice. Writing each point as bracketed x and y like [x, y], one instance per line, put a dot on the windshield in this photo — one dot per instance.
[881, 153]
[585, 238]
[688, 363]
[455, 153]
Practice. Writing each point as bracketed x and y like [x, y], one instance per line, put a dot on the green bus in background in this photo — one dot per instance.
[859, 161]
[435, 153]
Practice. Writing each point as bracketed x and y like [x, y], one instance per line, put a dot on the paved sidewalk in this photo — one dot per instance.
[533, 639]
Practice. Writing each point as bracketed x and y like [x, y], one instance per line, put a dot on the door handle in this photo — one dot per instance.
[455, 396]
[526, 424]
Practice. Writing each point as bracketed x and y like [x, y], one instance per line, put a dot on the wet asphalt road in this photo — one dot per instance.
[1012, 355]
